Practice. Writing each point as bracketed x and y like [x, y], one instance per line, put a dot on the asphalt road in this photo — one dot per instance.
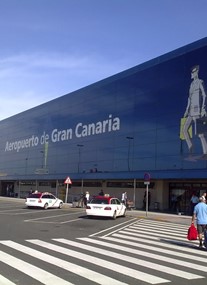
[22, 223]
[63, 247]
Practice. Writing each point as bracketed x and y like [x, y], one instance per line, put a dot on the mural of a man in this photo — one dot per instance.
[195, 110]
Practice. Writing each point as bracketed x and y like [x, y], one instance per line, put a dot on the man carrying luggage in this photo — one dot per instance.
[200, 214]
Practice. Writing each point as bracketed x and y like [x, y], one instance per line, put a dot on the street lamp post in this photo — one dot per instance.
[43, 153]
[79, 155]
[26, 164]
[129, 148]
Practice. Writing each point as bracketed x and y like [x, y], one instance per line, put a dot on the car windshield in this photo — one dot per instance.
[99, 201]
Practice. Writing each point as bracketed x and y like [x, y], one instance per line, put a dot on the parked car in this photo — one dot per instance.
[105, 206]
[43, 200]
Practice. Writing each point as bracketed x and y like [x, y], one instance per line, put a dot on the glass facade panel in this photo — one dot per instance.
[130, 122]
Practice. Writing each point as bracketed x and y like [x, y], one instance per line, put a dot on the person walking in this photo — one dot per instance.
[87, 197]
[204, 195]
[101, 193]
[145, 200]
[200, 215]
[124, 198]
[193, 202]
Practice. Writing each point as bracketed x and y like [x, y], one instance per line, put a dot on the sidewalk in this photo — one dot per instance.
[159, 216]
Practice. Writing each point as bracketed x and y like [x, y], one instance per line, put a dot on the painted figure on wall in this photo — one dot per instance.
[195, 113]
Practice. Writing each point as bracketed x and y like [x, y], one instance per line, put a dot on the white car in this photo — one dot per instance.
[105, 206]
[43, 200]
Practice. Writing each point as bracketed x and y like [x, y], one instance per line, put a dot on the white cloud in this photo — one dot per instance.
[28, 80]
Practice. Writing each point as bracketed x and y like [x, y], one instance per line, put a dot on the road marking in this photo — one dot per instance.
[70, 221]
[180, 236]
[170, 260]
[108, 229]
[158, 229]
[5, 281]
[137, 261]
[33, 271]
[169, 224]
[50, 217]
[8, 211]
[84, 272]
[139, 275]
[155, 233]
[139, 243]
[160, 226]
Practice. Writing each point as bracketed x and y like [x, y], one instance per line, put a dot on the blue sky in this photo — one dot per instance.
[49, 48]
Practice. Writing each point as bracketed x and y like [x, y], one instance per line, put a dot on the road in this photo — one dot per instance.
[63, 247]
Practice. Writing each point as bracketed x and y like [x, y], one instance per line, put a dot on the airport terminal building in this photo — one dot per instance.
[151, 118]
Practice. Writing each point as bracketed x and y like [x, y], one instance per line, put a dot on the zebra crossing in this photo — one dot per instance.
[153, 252]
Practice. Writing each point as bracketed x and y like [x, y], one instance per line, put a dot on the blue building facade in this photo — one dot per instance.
[150, 118]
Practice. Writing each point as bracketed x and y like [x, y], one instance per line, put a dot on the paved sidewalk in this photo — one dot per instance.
[159, 216]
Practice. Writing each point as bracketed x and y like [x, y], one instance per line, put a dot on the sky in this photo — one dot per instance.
[49, 48]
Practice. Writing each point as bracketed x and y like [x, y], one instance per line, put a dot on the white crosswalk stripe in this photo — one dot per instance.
[134, 260]
[35, 272]
[5, 281]
[91, 275]
[106, 264]
[146, 251]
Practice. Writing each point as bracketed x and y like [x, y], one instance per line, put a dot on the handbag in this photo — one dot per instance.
[192, 233]
[201, 125]
[182, 123]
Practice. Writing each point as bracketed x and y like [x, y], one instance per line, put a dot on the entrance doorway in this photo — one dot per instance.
[7, 189]
[180, 195]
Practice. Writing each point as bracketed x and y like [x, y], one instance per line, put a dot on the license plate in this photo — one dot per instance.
[97, 208]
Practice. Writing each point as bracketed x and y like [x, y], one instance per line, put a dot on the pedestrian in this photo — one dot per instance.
[174, 203]
[87, 197]
[145, 200]
[101, 193]
[193, 202]
[124, 198]
[84, 200]
[204, 195]
[200, 215]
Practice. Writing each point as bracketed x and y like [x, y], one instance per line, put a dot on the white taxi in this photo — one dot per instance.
[105, 206]
[43, 200]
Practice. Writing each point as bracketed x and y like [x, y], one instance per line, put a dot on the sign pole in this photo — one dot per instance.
[147, 190]
[66, 195]
[67, 181]
[147, 182]
[134, 193]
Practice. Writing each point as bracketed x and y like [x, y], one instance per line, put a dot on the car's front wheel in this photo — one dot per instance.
[46, 206]
[60, 205]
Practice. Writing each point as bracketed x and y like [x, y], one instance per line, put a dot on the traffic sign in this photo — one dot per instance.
[68, 180]
[147, 177]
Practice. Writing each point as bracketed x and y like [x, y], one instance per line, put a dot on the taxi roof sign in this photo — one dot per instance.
[68, 180]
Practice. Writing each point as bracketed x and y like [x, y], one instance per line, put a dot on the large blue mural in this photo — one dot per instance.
[151, 117]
